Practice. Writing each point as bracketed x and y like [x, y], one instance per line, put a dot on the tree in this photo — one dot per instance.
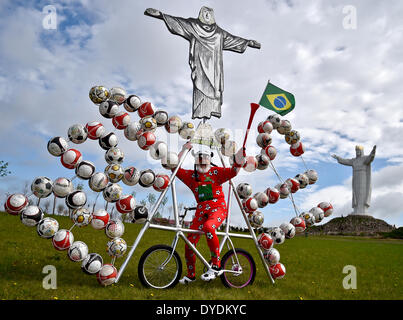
[151, 198]
[46, 206]
[4, 169]
[60, 208]
[163, 203]
[80, 186]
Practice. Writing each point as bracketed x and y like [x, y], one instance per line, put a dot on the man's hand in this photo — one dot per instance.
[254, 44]
[153, 13]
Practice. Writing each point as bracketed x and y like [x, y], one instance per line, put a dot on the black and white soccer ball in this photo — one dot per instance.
[77, 133]
[244, 190]
[76, 199]
[161, 117]
[147, 178]
[31, 216]
[275, 120]
[114, 155]
[62, 187]
[112, 192]
[303, 180]
[57, 146]
[85, 169]
[318, 214]
[108, 140]
[288, 229]
[92, 263]
[78, 251]
[116, 247]
[132, 103]
[158, 150]
[262, 199]
[140, 214]
[108, 109]
[47, 227]
[42, 187]
[277, 235]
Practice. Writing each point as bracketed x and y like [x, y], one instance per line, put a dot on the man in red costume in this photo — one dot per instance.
[205, 182]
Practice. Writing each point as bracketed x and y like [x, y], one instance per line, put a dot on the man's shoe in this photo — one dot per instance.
[186, 280]
[211, 274]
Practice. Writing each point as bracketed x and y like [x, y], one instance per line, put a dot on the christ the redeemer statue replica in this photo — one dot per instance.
[207, 41]
[361, 178]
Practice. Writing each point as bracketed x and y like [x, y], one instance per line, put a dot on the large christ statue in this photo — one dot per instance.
[207, 41]
[361, 178]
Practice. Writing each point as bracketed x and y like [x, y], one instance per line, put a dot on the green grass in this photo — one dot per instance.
[314, 268]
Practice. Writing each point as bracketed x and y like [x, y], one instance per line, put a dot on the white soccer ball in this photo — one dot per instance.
[170, 161]
[285, 127]
[244, 190]
[114, 228]
[42, 187]
[112, 192]
[117, 247]
[114, 155]
[288, 229]
[57, 146]
[161, 117]
[114, 172]
[262, 199]
[85, 169]
[272, 256]
[303, 180]
[76, 199]
[278, 235]
[77, 133]
[117, 95]
[263, 161]
[256, 219]
[312, 176]
[62, 187]
[187, 131]
[98, 181]
[158, 150]
[318, 214]
[31, 216]
[132, 130]
[92, 263]
[78, 251]
[47, 227]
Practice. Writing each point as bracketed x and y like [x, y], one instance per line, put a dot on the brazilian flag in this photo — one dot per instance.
[278, 100]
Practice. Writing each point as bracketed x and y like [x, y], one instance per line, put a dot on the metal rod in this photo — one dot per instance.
[193, 248]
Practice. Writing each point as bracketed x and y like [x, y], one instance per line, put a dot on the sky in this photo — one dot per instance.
[341, 61]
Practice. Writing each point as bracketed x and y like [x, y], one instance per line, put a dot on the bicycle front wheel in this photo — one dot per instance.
[159, 267]
[243, 268]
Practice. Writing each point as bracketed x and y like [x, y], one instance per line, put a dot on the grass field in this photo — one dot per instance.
[314, 268]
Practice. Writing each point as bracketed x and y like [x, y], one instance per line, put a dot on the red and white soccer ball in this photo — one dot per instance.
[71, 158]
[63, 239]
[265, 241]
[285, 127]
[95, 130]
[277, 271]
[250, 205]
[126, 204]
[262, 199]
[270, 151]
[107, 275]
[15, 203]
[121, 120]
[146, 109]
[326, 207]
[293, 184]
[263, 140]
[161, 182]
[100, 219]
[146, 140]
[114, 229]
[273, 195]
[173, 124]
[250, 164]
[265, 126]
[297, 149]
[283, 189]
[131, 176]
[299, 224]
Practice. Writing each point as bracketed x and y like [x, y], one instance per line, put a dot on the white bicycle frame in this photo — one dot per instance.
[180, 231]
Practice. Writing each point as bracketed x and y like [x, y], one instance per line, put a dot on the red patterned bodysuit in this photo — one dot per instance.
[211, 209]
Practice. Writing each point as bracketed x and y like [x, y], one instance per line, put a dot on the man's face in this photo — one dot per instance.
[203, 162]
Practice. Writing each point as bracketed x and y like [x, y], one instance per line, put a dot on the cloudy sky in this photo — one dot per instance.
[341, 61]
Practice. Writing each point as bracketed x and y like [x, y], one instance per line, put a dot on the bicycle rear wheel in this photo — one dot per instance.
[158, 268]
[239, 260]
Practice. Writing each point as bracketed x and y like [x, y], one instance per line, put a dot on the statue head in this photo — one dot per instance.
[359, 151]
[206, 16]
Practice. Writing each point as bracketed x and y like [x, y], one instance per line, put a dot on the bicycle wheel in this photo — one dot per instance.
[157, 270]
[239, 260]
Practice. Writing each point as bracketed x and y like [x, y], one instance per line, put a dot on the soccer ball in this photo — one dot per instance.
[146, 139]
[275, 120]
[112, 192]
[273, 194]
[15, 203]
[41, 187]
[148, 123]
[107, 275]
[158, 150]
[98, 181]
[288, 229]
[293, 185]
[108, 109]
[283, 190]
[98, 94]
[132, 103]
[116, 247]
[140, 214]
[63, 239]
[85, 169]
[121, 120]
[161, 117]
[250, 164]
[76, 199]
[278, 235]
[95, 130]
[244, 190]
[117, 95]
[173, 124]
[114, 155]
[312, 176]
[270, 151]
[187, 131]
[78, 251]
[318, 214]
[100, 219]
[126, 204]
[309, 218]
[147, 178]
[71, 158]
[77, 133]
[262, 199]
[62, 187]
[265, 241]
[263, 140]
[31, 216]
[277, 271]
[92, 263]
[131, 131]
[131, 176]
[114, 172]
[57, 146]
[114, 228]
[285, 127]
[250, 205]
[229, 148]
[299, 224]
[326, 207]
[146, 109]
[81, 217]
[265, 126]
[297, 149]
[256, 219]
[170, 161]
[161, 182]
[47, 227]
[108, 140]
[292, 137]
[222, 135]
[262, 161]
[303, 180]
[272, 256]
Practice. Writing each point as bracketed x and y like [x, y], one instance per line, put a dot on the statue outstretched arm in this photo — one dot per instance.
[371, 156]
[254, 44]
[153, 13]
[346, 162]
